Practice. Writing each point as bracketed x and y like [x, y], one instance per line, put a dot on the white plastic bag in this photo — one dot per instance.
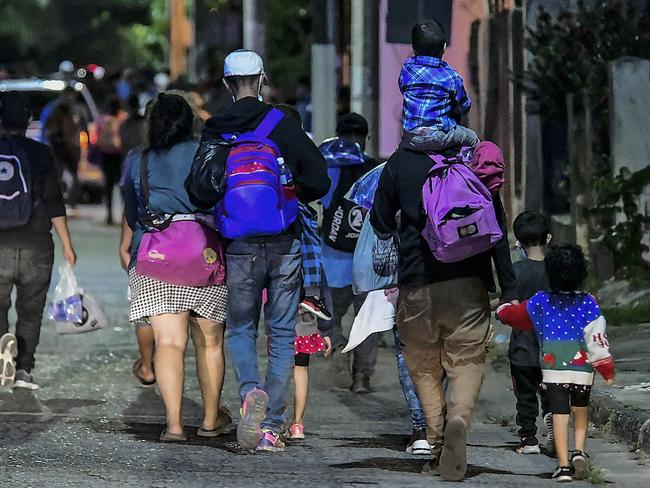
[66, 303]
[93, 318]
[375, 261]
[377, 314]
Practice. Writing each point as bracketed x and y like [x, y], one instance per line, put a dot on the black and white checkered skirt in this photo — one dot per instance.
[151, 297]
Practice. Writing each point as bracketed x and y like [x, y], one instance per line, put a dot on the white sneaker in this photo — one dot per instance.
[8, 351]
[419, 448]
[548, 422]
[25, 380]
[418, 444]
[528, 445]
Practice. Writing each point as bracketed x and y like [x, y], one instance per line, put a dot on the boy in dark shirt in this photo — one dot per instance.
[532, 232]
[26, 245]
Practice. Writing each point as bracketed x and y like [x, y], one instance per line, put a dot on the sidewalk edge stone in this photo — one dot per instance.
[629, 425]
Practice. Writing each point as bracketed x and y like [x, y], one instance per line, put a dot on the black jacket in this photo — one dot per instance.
[400, 189]
[307, 165]
[47, 199]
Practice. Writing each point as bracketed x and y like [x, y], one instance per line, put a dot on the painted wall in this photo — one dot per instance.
[392, 56]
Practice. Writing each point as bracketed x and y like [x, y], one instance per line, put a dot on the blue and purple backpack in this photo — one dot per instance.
[259, 197]
[461, 221]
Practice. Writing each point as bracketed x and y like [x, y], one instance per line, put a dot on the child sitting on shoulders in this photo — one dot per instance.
[570, 329]
[434, 95]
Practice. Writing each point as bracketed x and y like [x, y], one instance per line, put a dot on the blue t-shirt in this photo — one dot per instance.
[337, 266]
[167, 172]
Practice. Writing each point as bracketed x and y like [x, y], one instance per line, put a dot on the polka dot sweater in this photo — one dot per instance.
[571, 332]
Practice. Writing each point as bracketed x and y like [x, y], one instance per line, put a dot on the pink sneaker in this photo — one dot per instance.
[297, 432]
[270, 442]
[249, 431]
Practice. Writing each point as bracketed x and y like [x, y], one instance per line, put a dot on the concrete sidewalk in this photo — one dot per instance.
[624, 409]
[91, 426]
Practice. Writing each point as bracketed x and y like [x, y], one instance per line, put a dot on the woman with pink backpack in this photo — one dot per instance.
[176, 273]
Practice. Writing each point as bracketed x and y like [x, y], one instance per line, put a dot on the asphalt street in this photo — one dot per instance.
[90, 425]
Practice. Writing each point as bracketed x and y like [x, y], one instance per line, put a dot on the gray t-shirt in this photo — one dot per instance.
[531, 278]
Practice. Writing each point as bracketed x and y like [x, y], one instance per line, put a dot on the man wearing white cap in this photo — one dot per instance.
[270, 262]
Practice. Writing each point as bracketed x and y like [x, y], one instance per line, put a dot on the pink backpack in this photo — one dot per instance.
[488, 164]
[461, 221]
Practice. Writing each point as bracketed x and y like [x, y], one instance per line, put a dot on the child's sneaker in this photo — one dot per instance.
[562, 474]
[548, 422]
[296, 432]
[528, 445]
[418, 444]
[270, 442]
[315, 306]
[249, 431]
[8, 351]
[579, 464]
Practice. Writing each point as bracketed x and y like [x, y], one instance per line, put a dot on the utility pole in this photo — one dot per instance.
[180, 38]
[323, 69]
[254, 28]
[364, 83]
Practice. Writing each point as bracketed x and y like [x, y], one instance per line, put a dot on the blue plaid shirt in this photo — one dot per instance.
[434, 94]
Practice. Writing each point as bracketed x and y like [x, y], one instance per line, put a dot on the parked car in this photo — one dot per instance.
[43, 91]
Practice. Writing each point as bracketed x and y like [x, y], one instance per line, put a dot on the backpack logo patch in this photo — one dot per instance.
[6, 171]
[355, 219]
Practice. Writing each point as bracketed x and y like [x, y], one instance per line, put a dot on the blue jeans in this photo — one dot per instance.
[254, 264]
[408, 388]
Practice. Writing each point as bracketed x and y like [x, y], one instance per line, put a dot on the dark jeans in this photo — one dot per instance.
[527, 385]
[30, 271]
[408, 388]
[365, 354]
[254, 264]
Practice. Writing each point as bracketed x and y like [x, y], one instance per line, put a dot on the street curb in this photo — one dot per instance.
[630, 425]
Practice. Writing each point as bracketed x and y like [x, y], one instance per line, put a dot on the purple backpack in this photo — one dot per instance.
[179, 249]
[259, 197]
[461, 221]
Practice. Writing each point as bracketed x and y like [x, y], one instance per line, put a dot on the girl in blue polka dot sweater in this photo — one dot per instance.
[570, 329]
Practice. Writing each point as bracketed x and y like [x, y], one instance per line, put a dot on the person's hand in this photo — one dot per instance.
[514, 302]
[328, 343]
[69, 255]
[610, 381]
[125, 258]
[494, 303]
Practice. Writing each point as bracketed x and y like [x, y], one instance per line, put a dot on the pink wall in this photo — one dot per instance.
[391, 57]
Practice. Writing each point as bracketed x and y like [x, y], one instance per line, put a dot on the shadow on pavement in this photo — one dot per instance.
[394, 442]
[415, 466]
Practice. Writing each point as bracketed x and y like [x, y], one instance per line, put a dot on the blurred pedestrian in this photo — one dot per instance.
[31, 204]
[171, 308]
[62, 129]
[133, 130]
[109, 146]
[255, 260]
[342, 222]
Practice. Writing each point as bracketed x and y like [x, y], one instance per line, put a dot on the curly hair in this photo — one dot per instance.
[566, 268]
[171, 121]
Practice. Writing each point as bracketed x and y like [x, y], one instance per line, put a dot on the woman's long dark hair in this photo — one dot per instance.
[171, 122]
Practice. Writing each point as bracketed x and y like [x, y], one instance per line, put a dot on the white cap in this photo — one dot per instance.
[243, 63]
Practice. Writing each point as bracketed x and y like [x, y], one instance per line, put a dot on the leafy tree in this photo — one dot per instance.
[288, 42]
[571, 54]
[115, 33]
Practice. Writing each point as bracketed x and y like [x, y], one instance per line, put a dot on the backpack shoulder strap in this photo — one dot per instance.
[270, 122]
[144, 176]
